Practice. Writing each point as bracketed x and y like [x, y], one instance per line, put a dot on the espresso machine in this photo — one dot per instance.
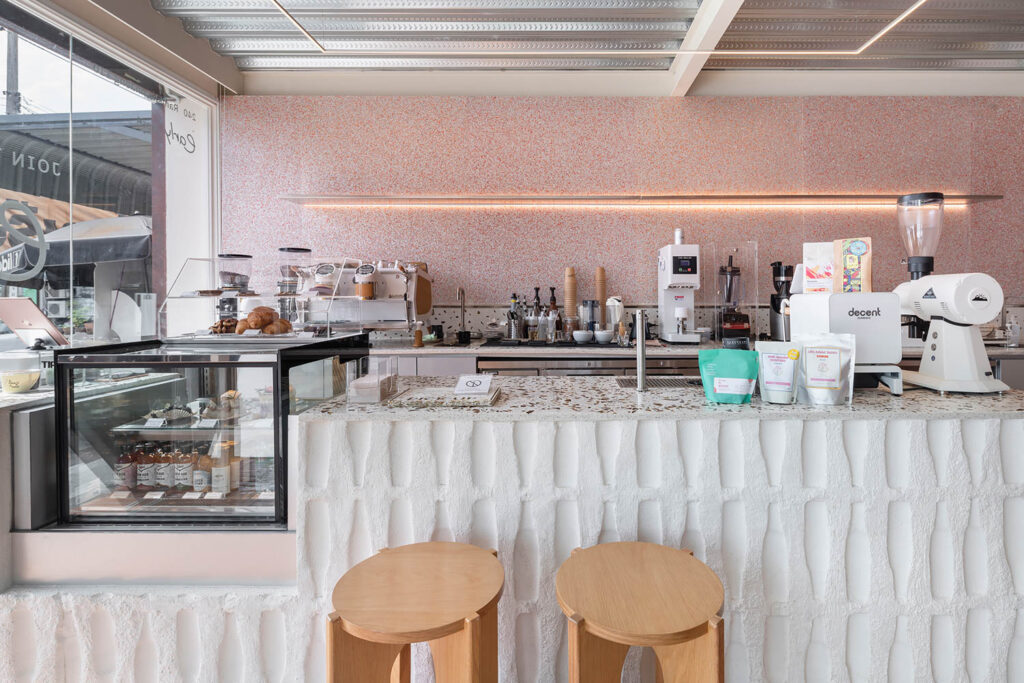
[778, 320]
[678, 280]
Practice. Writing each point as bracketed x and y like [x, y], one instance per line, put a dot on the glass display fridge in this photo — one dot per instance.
[178, 432]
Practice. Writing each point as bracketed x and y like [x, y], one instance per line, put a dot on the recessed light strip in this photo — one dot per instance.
[642, 202]
[808, 54]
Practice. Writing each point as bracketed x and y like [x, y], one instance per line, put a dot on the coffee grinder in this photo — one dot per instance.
[919, 217]
[778, 321]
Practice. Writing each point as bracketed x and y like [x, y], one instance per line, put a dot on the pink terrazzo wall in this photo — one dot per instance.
[436, 145]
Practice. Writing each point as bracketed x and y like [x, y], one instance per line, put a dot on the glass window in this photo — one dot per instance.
[105, 183]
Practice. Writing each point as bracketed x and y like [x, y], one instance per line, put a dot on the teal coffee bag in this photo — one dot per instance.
[729, 375]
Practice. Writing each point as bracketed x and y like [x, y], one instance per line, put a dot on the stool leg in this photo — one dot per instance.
[701, 660]
[354, 660]
[593, 659]
[471, 655]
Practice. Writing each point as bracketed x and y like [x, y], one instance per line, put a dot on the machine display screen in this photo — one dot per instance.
[684, 265]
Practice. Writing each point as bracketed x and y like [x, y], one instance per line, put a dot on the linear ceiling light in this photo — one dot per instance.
[385, 52]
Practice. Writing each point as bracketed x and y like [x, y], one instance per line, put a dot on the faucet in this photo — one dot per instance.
[640, 327]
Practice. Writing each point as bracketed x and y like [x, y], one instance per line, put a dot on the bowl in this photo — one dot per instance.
[603, 336]
[582, 336]
[18, 381]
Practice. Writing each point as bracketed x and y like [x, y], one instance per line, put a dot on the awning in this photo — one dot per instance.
[103, 240]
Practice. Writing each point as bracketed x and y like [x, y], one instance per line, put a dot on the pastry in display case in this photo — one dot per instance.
[174, 433]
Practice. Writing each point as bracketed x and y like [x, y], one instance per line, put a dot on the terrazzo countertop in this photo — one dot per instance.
[600, 398]
[404, 347]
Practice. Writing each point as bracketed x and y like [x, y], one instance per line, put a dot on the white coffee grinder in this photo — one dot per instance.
[678, 280]
[953, 354]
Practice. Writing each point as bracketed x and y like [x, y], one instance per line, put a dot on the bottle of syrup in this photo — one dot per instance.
[125, 473]
[165, 468]
[183, 467]
[145, 467]
[201, 473]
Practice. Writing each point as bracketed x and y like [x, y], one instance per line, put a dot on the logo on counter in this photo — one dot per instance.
[865, 314]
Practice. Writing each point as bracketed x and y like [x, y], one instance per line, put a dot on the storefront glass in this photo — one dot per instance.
[98, 165]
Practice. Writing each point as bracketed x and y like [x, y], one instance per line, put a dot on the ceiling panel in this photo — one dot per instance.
[408, 34]
[941, 34]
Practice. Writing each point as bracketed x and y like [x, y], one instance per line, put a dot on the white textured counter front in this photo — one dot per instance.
[880, 541]
[842, 535]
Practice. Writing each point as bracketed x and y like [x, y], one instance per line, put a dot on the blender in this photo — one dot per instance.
[919, 217]
[732, 323]
[778, 321]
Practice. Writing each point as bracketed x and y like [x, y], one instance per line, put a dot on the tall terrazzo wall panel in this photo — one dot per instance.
[851, 550]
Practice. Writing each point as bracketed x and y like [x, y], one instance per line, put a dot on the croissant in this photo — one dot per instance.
[242, 326]
[266, 309]
[260, 319]
[277, 327]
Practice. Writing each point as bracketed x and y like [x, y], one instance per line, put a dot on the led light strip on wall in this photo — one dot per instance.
[809, 54]
[665, 202]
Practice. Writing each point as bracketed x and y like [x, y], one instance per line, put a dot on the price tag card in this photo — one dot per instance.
[266, 495]
[119, 495]
[215, 495]
[252, 333]
[207, 423]
[192, 495]
[154, 495]
[155, 422]
[473, 385]
[305, 335]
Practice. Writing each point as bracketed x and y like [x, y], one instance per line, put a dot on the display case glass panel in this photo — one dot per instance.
[188, 441]
[166, 433]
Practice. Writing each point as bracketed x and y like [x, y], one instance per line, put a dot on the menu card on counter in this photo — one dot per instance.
[473, 385]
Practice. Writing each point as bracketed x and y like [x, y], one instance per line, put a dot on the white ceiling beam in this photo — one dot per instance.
[653, 83]
[856, 83]
[708, 26]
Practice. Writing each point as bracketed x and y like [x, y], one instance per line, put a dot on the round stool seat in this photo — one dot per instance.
[639, 593]
[417, 592]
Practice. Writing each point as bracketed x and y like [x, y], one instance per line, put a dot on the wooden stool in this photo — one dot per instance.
[442, 593]
[621, 594]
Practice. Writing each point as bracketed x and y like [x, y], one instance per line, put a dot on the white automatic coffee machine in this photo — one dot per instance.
[678, 280]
